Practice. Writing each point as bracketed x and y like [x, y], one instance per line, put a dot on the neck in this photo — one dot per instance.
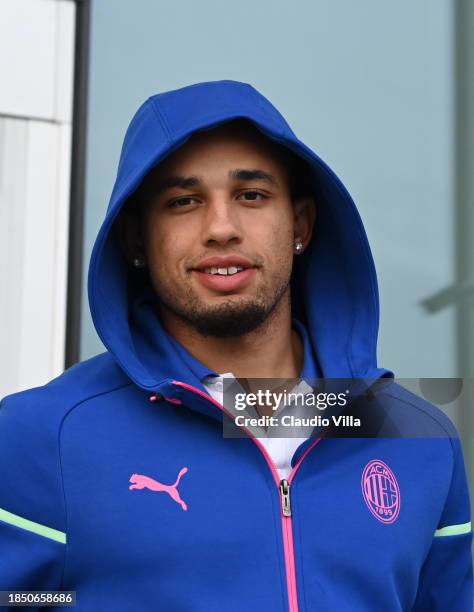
[273, 350]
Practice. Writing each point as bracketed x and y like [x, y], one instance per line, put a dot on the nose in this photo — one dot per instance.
[221, 224]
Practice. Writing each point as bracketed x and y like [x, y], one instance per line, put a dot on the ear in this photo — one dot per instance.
[304, 217]
[127, 228]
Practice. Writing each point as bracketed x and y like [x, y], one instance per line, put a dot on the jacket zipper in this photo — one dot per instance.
[283, 487]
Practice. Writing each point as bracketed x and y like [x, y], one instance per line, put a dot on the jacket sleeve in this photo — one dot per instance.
[32, 516]
[446, 578]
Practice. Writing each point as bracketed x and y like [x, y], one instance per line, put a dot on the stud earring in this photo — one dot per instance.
[298, 246]
[139, 262]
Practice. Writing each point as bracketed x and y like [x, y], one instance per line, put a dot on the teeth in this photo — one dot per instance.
[224, 271]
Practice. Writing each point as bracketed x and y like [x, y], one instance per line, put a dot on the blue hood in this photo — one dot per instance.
[334, 284]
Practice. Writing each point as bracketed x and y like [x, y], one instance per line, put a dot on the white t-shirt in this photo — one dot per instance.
[280, 449]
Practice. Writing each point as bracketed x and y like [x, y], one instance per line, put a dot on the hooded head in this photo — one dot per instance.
[333, 282]
[229, 200]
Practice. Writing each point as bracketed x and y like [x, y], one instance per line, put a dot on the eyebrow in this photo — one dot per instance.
[184, 182]
[254, 174]
[239, 174]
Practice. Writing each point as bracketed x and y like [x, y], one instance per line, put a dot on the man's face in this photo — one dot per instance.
[219, 232]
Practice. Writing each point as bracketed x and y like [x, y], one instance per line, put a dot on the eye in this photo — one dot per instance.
[253, 195]
[180, 202]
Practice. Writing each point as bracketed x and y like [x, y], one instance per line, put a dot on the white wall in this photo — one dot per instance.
[36, 73]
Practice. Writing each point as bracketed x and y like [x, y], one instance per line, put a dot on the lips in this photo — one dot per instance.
[226, 284]
[240, 271]
[229, 261]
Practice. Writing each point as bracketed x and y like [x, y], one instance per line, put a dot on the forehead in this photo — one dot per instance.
[234, 144]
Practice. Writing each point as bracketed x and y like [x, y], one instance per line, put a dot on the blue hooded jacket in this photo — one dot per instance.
[144, 505]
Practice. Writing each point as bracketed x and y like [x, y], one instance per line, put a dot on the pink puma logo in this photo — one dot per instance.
[141, 482]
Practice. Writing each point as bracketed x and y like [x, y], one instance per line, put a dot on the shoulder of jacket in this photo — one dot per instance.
[30, 426]
[49, 403]
[416, 414]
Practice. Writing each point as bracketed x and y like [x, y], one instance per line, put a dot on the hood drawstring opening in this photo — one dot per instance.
[156, 397]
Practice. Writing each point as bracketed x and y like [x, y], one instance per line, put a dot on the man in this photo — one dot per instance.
[229, 249]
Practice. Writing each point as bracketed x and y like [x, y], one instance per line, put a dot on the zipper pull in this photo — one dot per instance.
[285, 497]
